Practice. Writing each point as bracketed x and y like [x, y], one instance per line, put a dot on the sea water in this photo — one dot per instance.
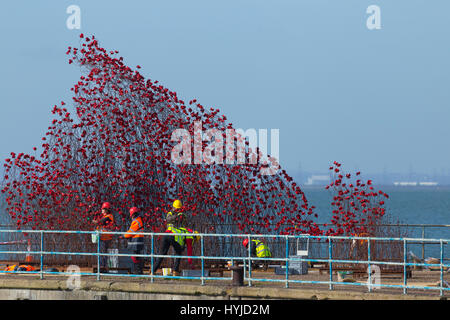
[405, 205]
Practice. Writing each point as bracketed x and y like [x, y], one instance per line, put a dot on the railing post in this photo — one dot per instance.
[330, 264]
[442, 269]
[404, 267]
[423, 243]
[369, 270]
[42, 255]
[249, 261]
[98, 255]
[245, 268]
[151, 259]
[287, 262]
[203, 259]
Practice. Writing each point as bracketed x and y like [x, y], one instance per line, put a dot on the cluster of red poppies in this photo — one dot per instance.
[357, 207]
[116, 147]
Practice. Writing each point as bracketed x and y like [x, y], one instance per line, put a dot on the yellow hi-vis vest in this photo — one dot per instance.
[179, 220]
[262, 251]
[179, 239]
[192, 236]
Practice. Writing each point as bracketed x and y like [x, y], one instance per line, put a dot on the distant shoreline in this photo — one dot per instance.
[388, 187]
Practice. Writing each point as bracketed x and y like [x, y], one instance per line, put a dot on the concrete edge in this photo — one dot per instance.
[314, 294]
[207, 290]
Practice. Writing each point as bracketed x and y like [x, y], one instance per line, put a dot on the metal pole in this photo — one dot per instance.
[287, 262]
[330, 264]
[249, 262]
[151, 259]
[423, 243]
[404, 267]
[369, 267]
[203, 259]
[98, 256]
[245, 268]
[42, 256]
[442, 269]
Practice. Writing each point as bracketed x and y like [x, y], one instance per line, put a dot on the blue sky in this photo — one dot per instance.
[371, 99]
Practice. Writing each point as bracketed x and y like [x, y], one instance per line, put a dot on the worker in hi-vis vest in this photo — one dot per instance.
[258, 249]
[105, 223]
[190, 240]
[136, 241]
[174, 222]
[177, 218]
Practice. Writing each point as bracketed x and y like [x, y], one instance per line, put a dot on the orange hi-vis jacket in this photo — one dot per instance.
[136, 226]
[14, 267]
[27, 267]
[107, 227]
[11, 268]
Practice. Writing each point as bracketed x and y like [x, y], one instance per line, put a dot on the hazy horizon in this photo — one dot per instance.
[374, 100]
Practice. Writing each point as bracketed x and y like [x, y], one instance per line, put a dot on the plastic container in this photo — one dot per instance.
[301, 267]
[194, 273]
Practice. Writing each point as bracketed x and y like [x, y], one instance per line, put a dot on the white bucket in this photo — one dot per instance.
[167, 271]
[94, 238]
[113, 261]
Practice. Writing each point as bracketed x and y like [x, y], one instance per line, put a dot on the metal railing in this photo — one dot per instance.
[418, 231]
[246, 259]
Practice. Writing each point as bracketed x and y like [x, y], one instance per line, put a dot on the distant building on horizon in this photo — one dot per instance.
[318, 180]
[415, 183]
[385, 178]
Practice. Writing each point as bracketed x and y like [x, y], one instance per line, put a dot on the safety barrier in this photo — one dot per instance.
[407, 230]
[247, 259]
[416, 230]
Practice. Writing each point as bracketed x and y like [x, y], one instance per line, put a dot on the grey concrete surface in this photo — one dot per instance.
[57, 289]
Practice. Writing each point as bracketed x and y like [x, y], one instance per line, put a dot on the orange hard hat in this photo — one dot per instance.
[133, 211]
[245, 242]
[106, 205]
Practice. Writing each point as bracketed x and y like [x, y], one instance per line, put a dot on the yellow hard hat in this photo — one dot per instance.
[177, 204]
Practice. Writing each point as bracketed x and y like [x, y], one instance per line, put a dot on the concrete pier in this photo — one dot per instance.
[58, 289]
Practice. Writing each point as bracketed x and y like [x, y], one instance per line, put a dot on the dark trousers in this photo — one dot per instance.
[104, 246]
[137, 245]
[167, 241]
